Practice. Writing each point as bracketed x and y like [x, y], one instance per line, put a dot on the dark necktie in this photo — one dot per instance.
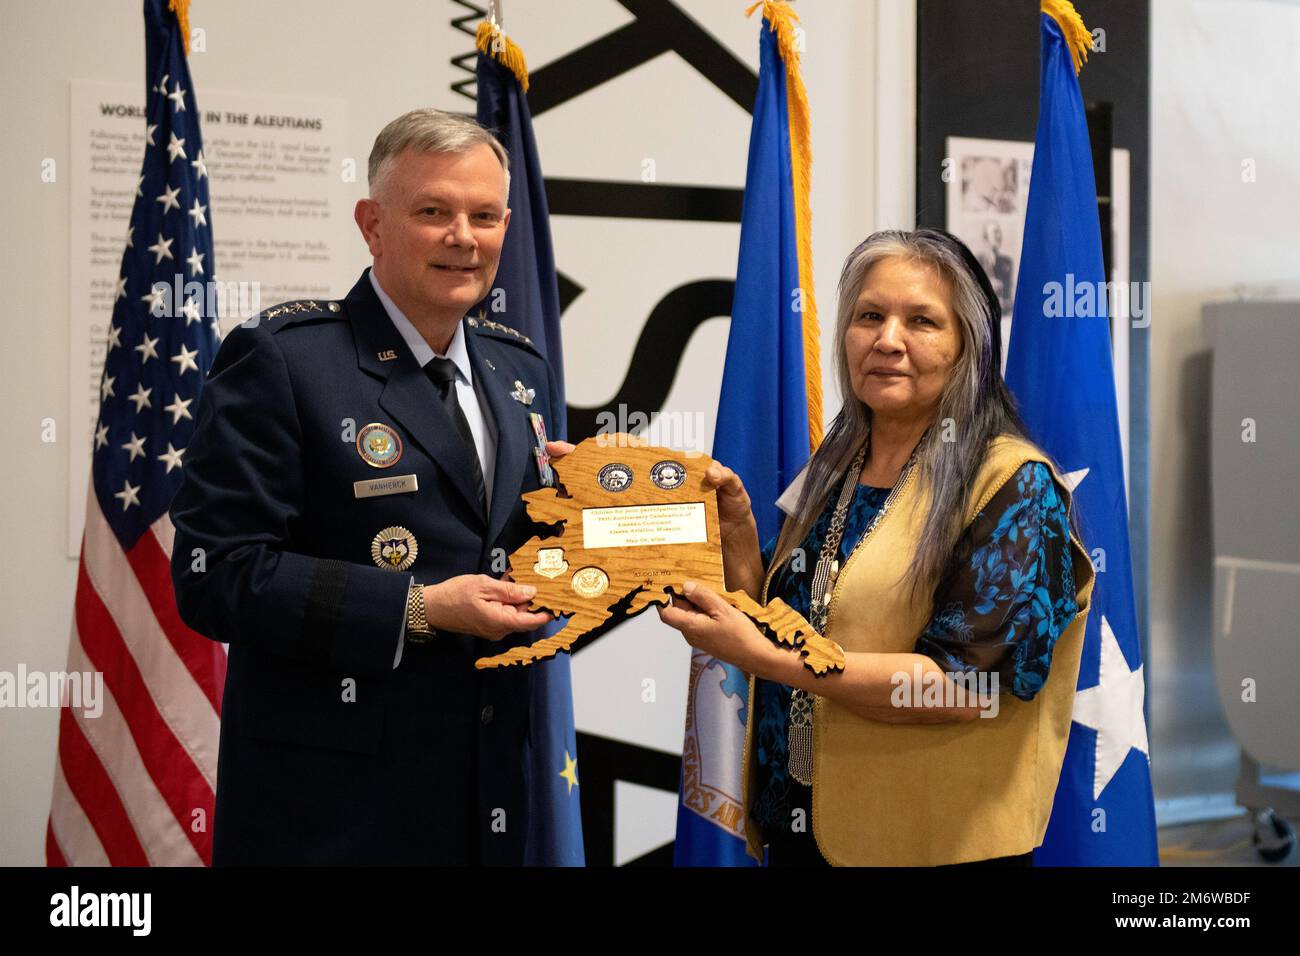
[442, 372]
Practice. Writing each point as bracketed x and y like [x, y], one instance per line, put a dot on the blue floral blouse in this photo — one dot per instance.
[1000, 606]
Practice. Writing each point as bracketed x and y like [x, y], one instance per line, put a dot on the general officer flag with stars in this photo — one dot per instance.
[769, 418]
[525, 296]
[136, 785]
[1059, 368]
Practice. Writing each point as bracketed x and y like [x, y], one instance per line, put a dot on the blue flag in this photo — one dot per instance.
[1059, 368]
[763, 425]
[527, 288]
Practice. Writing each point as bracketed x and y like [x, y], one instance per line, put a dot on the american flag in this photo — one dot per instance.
[134, 786]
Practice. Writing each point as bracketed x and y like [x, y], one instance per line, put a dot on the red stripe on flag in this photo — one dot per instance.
[204, 659]
[173, 770]
[94, 792]
[53, 855]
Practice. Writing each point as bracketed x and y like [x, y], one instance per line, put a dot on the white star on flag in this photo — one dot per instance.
[177, 96]
[180, 408]
[176, 147]
[162, 249]
[120, 291]
[135, 446]
[114, 336]
[1073, 479]
[199, 166]
[129, 495]
[106, 387]
[101, 436]
[172, 457]
[131, 229]
[197, 214]
[191, 312]
[168, 199]
[149, 131]
[185, 359]
[147, 350]
[154, 297]
[141, 398]
[139, 191]
[1113, 708]
[195, 261]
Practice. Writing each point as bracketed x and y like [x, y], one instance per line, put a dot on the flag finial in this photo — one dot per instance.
[1077, 38]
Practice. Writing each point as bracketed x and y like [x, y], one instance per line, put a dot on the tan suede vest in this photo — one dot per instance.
[931, 794]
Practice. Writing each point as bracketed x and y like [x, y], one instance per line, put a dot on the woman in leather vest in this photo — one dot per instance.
[932, 540]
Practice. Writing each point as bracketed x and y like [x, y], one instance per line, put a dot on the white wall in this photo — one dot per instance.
[1224, 81]
[383, 58]
[1224, 76]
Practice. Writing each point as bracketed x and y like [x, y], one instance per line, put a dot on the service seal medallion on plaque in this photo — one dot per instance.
[668, 475]
[550, 562]
[590, 582]
[615, 477]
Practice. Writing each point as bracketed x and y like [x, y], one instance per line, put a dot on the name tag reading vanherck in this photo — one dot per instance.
[631, 526]
[374, 487]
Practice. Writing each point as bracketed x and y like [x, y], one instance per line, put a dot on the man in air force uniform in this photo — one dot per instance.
[350, 496]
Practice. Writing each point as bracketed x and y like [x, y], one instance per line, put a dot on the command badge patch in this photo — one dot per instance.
[394, 549]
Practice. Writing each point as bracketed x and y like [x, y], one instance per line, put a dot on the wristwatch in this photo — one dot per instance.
[418, 630]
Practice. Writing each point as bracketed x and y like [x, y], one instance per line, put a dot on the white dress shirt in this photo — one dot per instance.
[477, 413]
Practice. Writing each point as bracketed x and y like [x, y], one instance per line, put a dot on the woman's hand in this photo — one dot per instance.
[713, 626]
[734, 512]
[741, 559]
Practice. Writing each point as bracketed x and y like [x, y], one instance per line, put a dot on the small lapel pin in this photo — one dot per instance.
[521, 394]
[490, 365]
[387, 355]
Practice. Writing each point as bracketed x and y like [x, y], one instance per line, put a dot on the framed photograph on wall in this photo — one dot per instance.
[987, 192]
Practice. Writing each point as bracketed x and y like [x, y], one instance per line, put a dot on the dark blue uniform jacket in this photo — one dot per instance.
[328, 753]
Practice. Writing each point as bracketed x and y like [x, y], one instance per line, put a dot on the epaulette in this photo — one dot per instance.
[483, 324]
[300, 310]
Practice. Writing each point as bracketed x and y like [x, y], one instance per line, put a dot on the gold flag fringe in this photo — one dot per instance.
[1077, 38]
[182, 10]
[492, 40]
[781, 20]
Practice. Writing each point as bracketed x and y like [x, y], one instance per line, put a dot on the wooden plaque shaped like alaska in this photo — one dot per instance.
[630, 524]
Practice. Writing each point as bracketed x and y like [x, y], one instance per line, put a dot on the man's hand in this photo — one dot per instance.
[483, 606]
[558, 449]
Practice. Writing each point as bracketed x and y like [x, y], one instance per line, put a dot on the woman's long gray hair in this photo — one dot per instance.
[975, 405]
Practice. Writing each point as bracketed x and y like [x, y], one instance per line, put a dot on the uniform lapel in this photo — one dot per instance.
[513, 429]
[408, 396]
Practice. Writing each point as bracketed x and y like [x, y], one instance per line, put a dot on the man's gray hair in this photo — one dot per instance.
[429, 131]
